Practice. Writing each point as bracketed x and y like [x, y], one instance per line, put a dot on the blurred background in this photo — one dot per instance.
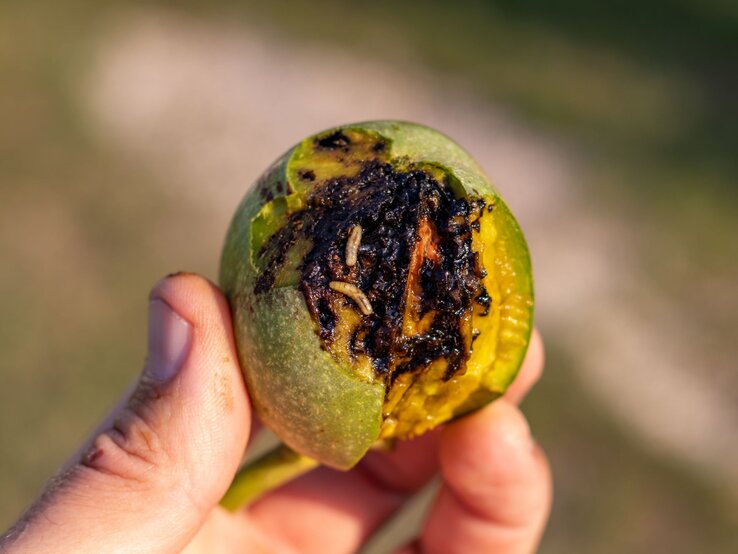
[129, 132]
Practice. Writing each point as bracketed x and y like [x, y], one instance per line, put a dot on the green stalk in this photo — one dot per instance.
[264, 474]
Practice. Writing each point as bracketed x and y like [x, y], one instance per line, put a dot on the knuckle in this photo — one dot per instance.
[137, 439]
[131, 450]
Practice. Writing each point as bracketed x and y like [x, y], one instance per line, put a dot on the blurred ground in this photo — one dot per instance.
[132, 134]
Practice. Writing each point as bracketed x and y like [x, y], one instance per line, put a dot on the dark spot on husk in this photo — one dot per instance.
[306, 174]
[266, 194]
[389, 205]
[333, 141]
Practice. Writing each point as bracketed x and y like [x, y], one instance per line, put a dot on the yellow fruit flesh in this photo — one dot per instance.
[311, 164]
[347, 320]
[418, 402]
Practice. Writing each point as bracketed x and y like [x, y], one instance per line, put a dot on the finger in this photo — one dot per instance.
[147, 482]
[383, 481]
[496, 493]
[530, 372]
[338, 511]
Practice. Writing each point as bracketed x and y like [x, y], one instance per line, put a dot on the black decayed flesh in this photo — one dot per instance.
[388, 204]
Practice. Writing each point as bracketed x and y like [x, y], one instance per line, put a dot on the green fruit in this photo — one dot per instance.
[444, 311]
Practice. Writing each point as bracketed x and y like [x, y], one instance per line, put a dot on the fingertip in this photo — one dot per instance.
[537, 348]
[492, 464]
[530, 371]
[193, 297]
[471, 443]
[201, 303]
[496, 493]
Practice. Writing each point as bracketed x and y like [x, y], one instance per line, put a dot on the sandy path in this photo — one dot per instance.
[211, 107]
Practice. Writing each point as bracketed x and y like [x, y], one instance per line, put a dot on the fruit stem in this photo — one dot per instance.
[263, 474]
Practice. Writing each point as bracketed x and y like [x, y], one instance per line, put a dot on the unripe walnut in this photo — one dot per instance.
[379, 287]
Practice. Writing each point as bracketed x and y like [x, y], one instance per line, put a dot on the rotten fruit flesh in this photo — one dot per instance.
[379, 287]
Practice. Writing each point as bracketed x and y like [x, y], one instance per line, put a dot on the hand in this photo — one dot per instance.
[149, 479]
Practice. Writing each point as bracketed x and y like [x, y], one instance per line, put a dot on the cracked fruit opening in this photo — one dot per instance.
[410, 277]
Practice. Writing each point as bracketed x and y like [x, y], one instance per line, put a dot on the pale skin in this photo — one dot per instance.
[150, 477]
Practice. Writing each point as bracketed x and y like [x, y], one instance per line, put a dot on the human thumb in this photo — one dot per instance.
[149, 476]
